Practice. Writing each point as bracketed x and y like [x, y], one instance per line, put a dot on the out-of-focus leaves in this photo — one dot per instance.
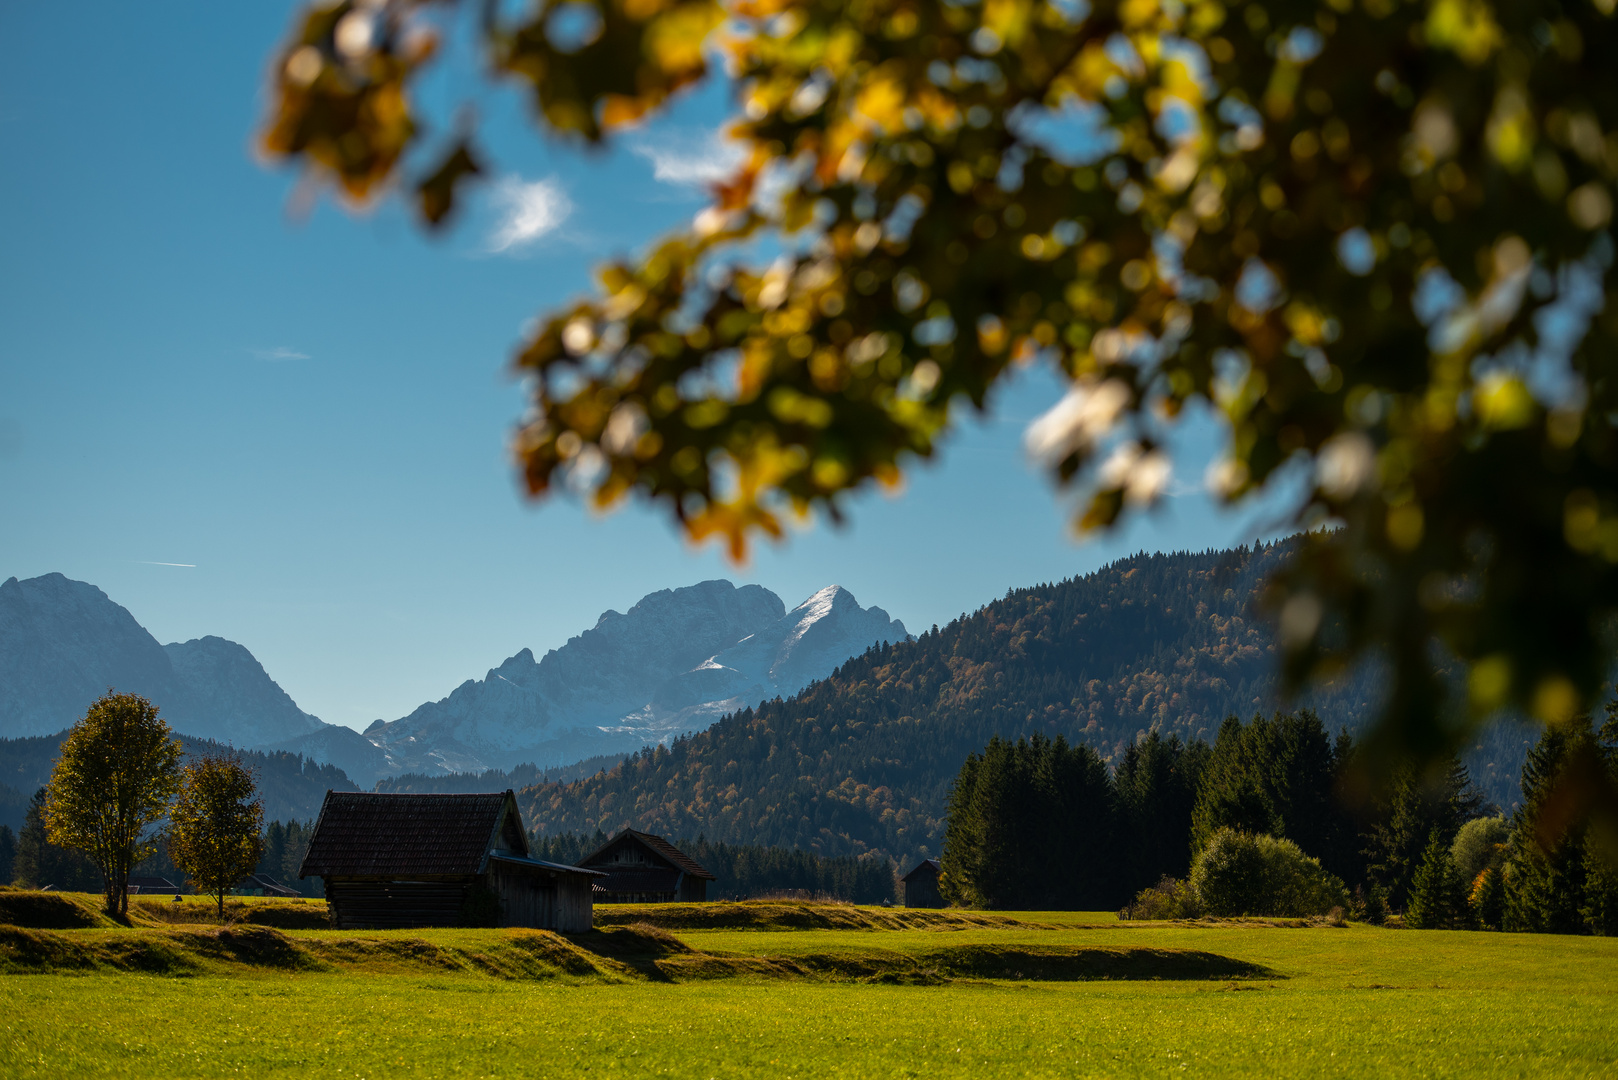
[594, 65]
[340, 101]
[438, 191]
[1375, 237]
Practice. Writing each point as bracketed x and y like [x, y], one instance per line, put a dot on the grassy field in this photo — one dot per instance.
[1036, 994]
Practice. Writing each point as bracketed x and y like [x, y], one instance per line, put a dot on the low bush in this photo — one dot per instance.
[1170, 898]
[1245, 874]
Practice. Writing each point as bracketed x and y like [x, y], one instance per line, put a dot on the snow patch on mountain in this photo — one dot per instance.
[673, 663]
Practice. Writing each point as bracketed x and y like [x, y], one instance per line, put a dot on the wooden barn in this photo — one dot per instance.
[395, 861]
[921, 885]
[644, 869]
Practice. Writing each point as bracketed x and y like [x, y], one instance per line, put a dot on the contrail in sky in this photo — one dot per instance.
[148, 562]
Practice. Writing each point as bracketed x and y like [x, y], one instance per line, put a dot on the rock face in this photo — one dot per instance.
[64, 642]
[674, 662]
[806, 644]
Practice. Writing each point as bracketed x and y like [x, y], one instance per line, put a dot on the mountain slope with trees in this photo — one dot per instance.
[862, 761]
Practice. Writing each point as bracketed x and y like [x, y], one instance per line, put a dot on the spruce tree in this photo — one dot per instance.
[1156, 782]
[1548, 867]
[40, 863]
[1431, 892]
[8, 853]
[1403, 823]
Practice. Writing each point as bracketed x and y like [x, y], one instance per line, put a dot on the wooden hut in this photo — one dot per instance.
[263, 885]
[439, 860]
[921, 885]
[644, 869]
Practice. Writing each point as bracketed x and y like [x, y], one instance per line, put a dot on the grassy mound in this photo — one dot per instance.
[514, 954]
[617, 954]
[798, 915]
[976, 962]
[283, 914]
[74, 911]
[51, 910]
[28, 951]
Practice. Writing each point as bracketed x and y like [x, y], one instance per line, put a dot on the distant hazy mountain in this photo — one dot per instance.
[64, 642]
[674, 662]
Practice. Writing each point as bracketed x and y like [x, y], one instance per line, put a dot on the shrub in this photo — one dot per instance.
[1170, 898]
[1245, 874]
[1480, 845]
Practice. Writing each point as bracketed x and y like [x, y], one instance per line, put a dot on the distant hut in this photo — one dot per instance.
[921, 885]
[263, 885]
[439, 860]
[144, 885]
[644, 869]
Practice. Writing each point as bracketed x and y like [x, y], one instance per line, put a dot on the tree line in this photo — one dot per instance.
[1178, 828]
[750, 871]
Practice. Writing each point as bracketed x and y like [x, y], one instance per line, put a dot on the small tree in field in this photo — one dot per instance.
[118, 770]
[215, 832]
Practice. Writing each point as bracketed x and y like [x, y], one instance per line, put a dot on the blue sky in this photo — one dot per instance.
[310, 412]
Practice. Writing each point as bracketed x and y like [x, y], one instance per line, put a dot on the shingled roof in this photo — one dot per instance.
[662, 848]
[363, 834]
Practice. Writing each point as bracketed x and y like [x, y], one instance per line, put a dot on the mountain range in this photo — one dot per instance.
[675, 661]
[862, 760]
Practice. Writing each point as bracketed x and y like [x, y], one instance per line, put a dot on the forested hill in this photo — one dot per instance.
[291, 786]
[862, 761]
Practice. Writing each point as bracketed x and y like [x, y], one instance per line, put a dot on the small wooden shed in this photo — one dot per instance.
[644, 869]
[263, 885]
[396, 861]
[921, 885]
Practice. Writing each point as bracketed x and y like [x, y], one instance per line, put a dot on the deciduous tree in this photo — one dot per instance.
[118, 770]
[215, 829]
[1373, 238]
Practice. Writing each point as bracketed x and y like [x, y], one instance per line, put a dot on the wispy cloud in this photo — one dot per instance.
[528, 211]
[690, 158]
[280, 352]
[149, 562]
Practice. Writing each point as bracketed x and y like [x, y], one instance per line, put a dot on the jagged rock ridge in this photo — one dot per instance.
[63, 643]
[673, 663]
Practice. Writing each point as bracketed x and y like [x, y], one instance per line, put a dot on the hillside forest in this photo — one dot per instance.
[862, 761]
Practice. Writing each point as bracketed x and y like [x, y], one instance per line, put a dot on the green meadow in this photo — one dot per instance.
[791, 990]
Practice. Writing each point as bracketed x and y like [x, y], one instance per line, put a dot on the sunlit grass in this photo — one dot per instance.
[1357, 1001]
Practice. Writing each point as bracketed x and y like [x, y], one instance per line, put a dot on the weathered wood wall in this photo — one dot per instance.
[390, 905]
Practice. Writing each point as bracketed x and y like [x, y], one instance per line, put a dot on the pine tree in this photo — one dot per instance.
[1376, 904]
[8, 853]
[1431, 890]
[275, 850]
[1157, 782]
[1032, 825]
[1548, 868]
[1279, 776]
[40, 863]
[1404, 822]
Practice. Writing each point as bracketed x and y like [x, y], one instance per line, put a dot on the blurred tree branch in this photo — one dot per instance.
[1376, 237]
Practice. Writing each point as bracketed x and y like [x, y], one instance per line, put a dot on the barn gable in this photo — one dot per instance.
[439, 860]
[642, 868]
